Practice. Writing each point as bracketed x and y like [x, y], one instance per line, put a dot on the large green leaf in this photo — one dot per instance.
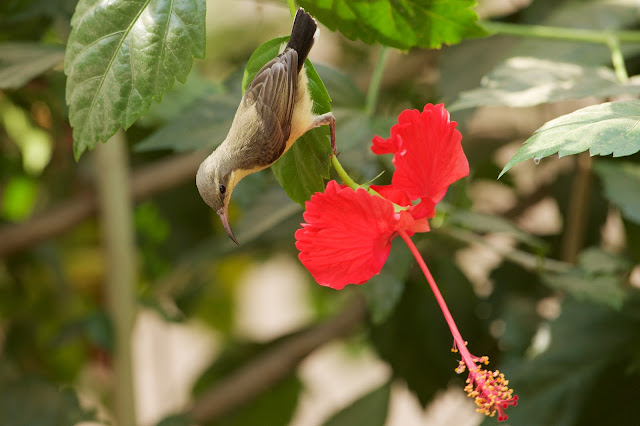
[555, 386]
[22, 20]
[608, 128]
[603, 289]
[383, 291]
[20, 62]
[121, 56]
[526, 81]
[621, 182]
[370, 410]
[406, 24]
[30, 401]
[304, 168]
[203, 124]
[607, 15]
[486, 223]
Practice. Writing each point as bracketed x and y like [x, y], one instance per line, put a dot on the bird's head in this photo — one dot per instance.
[215, 181]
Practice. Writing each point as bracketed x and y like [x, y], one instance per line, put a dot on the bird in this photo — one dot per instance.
[275, 110]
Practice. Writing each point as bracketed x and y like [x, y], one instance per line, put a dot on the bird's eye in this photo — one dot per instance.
[222, 189]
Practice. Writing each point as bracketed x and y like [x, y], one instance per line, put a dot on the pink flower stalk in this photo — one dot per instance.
[347, 234]
[489, 388]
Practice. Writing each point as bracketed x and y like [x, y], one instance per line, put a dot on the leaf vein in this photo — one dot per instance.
[108, 67]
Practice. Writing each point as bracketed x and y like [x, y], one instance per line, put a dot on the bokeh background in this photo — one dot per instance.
[243, 335]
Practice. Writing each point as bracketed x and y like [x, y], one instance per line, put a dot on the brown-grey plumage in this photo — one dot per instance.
[273, 92]
[274, 112]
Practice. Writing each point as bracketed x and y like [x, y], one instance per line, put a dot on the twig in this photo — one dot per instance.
[561, 33]
[118, 240]
[376, 80]
[274, 365]
[526, 260]
[578, 212]
[149, 180]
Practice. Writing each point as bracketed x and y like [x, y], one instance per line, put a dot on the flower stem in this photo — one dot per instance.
[376, 79]
[343, 173]
[611, 39]
[560, 33]
[457, 337]
[617, 58]
[292, 7]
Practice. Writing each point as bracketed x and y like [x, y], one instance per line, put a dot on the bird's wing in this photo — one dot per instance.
[273, 92]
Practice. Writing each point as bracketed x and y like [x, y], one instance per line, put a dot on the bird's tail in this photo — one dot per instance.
[303, 35]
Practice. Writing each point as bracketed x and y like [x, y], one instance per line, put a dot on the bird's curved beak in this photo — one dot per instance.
[224, 217]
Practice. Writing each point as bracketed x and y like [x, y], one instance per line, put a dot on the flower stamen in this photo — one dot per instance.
[488, 388]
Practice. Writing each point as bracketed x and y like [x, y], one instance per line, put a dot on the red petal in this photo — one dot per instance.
[392, 194]
[347, 235]
[428, 154]
[383, 146]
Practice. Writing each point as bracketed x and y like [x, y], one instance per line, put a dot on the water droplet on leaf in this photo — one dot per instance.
[536, 160]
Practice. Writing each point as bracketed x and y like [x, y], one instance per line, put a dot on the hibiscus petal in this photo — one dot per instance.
[392, 194]
[347, 235]
[428, 153]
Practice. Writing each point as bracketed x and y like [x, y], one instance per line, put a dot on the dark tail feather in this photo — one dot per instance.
[302, 36]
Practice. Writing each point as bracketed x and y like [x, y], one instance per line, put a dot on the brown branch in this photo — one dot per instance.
[149, 180]
[272, 366]
[118, 237]
[578, 214]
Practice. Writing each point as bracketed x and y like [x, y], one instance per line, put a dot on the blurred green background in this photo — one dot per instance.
[565, 330]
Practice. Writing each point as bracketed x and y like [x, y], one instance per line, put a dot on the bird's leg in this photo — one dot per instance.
[330, 120]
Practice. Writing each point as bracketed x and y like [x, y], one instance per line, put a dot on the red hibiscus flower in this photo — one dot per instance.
[347, 235]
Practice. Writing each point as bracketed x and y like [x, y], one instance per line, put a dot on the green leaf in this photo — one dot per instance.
[263, 54]
[526, 81]
[179, 98]
[487, 223]
[303, 169]
[607, 15]
[384, 290]
[18, 198]
[32, 20]
[176, 420]
[621, 182]
[274, 406]
[29, 401]
[21, 62]
[206, 122]
[602, 289]
[609, 128]
[268, 209]
[598, 278]
[555, 385]
[407, 24]
[370, 410]
[595, 260]
[344, 91]
[121, 56]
